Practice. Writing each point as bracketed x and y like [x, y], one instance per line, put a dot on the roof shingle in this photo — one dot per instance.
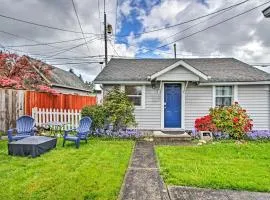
[219, 69]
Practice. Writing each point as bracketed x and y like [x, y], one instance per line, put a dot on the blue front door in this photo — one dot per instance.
[172, 105]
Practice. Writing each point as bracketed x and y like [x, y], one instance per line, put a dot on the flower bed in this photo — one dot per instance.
[259, 134]
[252, 135]
[125, 134]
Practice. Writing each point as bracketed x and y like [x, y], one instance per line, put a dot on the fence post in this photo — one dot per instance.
[68, 115]
[34, 115]
[72, 118]
[76, 117]
[39, 116]
[50, 114]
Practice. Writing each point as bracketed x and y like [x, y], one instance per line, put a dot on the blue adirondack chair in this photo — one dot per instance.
[82, 132]
[24, 128]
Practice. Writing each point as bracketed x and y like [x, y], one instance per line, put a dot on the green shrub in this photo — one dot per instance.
[97, 113]
[120, 109]
[232, 120]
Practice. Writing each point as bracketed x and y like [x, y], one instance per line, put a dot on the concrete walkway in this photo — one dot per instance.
[191, 193]
[142, 181]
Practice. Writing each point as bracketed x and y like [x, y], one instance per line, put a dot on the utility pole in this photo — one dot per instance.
[105, 38]
[174, 46]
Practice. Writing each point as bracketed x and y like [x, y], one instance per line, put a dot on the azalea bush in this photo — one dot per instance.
[205, 123]
[232, 120]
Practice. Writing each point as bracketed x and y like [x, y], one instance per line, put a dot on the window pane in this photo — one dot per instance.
[223, 101]
[224, 90]
[136, 100]
[133, 90]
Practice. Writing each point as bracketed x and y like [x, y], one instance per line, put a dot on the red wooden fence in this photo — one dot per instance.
[62, 101]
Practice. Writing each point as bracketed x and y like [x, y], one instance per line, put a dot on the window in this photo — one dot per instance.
[134, 93]
[224, 95]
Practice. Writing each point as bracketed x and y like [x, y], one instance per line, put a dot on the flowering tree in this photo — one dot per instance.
[21, 72]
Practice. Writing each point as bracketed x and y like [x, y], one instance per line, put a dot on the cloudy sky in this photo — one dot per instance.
[141, 28]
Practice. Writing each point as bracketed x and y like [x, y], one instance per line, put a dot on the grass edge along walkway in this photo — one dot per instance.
[220, 165]
[142, 180]
[94, 171]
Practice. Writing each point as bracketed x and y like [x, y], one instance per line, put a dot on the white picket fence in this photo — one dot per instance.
[70, 118]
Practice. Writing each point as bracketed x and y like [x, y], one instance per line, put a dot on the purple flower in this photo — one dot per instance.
[259, 134]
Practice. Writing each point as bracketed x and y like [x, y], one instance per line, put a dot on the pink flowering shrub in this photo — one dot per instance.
[44, 88]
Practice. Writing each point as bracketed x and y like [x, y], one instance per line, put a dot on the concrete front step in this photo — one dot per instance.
[161, 138]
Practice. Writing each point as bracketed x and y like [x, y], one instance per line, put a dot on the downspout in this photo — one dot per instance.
[186, 85]
[160, 86]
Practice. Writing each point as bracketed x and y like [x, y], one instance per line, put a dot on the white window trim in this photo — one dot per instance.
[142, 106]
[234, 94]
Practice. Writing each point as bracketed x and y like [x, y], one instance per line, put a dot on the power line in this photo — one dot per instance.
[77, 16]
[114, 49]
[42, 25]
[100, 31]
[115, 24]
[40, 44]
[76, 63]
[29, 39]
[188, 28]
[194, 25]
[185, 22]
[69, 49]
[216, 24]
[77, 58]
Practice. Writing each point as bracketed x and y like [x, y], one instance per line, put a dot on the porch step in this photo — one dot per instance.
[171, 138]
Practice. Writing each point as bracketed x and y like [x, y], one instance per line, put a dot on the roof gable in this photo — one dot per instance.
[215, 69]
[178, 73]
[177, 64]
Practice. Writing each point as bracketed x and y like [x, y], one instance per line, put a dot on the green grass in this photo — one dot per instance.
[94, 171]
[225, 165]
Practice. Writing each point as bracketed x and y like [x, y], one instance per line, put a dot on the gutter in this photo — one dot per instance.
[69, 87]
[237, 83]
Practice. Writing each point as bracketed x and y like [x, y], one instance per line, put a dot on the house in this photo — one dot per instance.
[172, 93]
[65, 82]
[24, 72]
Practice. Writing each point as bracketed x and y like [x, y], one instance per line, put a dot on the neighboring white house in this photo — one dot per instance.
[172, 93]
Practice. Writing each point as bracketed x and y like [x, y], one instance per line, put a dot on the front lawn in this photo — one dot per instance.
[94, 171]
[224, 165]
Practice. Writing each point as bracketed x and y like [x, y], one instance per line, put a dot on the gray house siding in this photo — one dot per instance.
[256, 100]
[178, 73]
[150, 117]
[198, 100]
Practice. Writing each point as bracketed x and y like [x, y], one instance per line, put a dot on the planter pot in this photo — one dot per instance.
[206, 135]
